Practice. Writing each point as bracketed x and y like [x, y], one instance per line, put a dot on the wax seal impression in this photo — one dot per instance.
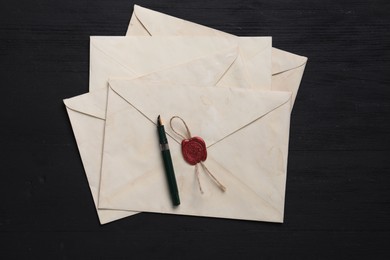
[194, 150]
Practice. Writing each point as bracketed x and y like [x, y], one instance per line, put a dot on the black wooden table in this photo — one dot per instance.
[337, 199]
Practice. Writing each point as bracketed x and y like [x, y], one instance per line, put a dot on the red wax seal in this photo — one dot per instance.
[194, 150]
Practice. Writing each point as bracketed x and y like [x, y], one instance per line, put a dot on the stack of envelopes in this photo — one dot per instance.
[237, 93]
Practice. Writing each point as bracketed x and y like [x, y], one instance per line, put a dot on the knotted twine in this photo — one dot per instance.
[194, 152]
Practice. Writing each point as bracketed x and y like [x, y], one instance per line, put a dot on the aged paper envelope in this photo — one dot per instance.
[287, 68]
[246, 132]
[87, 112]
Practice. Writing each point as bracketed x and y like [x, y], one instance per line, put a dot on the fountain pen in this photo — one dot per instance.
[168, 165]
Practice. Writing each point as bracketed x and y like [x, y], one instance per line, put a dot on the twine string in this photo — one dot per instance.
[223, 188]
[188, 130]
[197, 177]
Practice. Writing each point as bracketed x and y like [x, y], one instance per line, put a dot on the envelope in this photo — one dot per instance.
[287, 68]
[131, 57]
[246, 132]
[202, 60]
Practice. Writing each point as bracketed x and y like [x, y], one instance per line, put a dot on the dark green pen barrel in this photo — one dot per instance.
[171, 177]
[169, 171]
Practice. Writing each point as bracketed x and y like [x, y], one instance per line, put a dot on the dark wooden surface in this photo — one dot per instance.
[337, 199]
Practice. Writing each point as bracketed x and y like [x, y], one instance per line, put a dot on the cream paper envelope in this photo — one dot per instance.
[246, 132]
[87, 112]
[287, 68]
[131, 57]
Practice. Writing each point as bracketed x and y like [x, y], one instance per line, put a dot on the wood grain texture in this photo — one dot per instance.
[337, 200]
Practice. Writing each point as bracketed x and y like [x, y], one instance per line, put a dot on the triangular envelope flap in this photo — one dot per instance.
[147, 54]
[210, 112]
[92, 103]
[205, 70]
[157, 23]
[162, 24]
[283, 61]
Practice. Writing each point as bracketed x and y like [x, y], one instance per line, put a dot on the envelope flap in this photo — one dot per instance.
[210, 112]
[142, 55]
[284, 61]
[157, 23]
[92, 103]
